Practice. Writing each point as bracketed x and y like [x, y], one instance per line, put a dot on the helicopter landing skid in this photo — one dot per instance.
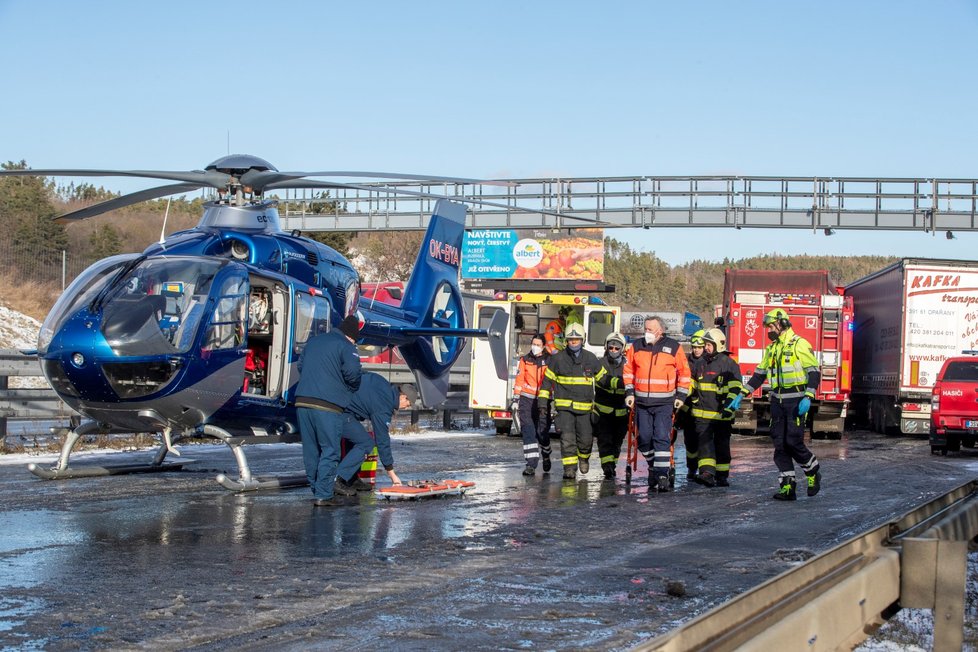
[245, 480]
[61, 471]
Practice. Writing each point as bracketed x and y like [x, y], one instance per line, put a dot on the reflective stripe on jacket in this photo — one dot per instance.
[609, 391]
[656, 373]
[715, 382]
[790, 366]
[569, 380]
[529, 375]
[553, 336]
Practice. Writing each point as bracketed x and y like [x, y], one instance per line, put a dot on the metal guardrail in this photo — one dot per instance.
[831, 601]
[22, 403]
[26, 403]
[817, 203]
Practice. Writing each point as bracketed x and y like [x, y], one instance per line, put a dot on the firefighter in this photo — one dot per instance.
[610, 417]
[534, 421]
[656, 383]
[716, 381]
[684, 418]
[790, 366]
[569, 387]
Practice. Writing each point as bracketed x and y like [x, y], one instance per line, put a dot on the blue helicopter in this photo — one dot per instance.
[200, 334]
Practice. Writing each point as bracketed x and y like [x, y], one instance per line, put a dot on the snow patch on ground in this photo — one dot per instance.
[18, 331]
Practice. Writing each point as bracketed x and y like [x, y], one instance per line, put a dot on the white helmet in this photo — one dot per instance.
[574, 330]
[615, 337]
[717, 338]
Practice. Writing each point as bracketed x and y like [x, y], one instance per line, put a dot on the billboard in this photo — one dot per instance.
[565, 254]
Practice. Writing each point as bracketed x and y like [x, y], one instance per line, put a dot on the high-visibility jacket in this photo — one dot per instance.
[609, 391]
[716, 380]
[790, 366]
[569, 380]
[529, 374]
[656, 374]
[553, 336]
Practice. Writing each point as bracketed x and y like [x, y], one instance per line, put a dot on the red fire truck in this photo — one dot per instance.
[819, 312]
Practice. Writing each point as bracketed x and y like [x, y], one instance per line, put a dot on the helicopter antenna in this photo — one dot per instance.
[166, 213]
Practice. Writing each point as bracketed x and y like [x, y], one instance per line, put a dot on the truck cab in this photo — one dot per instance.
[954, 404]
[529, 313]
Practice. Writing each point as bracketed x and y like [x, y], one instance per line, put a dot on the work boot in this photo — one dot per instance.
[691, 474]
[360, 485]
[343, 488]
[325, 502]
[528, 471]
[722, 478]
[814, 482]
[584, 464]
[546, 464]
[609, 470]
[787, 491]
[659, 485]
[706, 478]
[570, 472]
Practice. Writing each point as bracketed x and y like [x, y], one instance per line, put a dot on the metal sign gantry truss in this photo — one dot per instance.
[826, 204]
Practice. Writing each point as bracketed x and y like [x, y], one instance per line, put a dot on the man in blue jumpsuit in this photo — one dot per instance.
[376, 400]
[331, 372]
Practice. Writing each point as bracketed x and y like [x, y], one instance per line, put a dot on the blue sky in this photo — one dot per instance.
[512, 89]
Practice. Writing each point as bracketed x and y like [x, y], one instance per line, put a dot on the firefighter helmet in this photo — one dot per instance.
[697, 338]
[716, 337]
[574, 330]
[777, 315]
[615, 337]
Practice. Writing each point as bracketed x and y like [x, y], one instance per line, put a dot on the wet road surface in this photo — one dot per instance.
[173, 561]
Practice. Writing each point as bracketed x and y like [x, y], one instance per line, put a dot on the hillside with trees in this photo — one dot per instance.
[42, 254]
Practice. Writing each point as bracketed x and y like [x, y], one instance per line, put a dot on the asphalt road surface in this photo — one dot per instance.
[174, 561]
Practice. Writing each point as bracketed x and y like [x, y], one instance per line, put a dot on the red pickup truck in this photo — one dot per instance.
[954, 405]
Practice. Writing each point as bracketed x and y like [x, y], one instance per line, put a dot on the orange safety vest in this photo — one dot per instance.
[553, 336]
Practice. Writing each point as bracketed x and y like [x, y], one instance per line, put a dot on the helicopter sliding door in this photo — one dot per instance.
[268, 308]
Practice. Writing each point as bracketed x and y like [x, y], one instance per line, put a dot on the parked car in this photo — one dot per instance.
[954, 405]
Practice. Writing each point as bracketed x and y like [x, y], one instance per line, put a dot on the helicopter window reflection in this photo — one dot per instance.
[311, 318]
[157, 307]
[227, 327]
[81, 292]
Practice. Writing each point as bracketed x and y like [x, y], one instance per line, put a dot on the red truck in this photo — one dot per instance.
[819, 312]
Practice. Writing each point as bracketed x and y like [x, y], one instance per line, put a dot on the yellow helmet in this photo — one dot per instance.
[778, 315]
[697, 338]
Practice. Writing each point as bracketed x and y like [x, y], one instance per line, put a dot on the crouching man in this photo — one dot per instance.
[376, 400]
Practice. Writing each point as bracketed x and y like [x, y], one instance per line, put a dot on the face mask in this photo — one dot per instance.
[650, 338]
[575, 347]
[771, 335]
[614, 355]
[536, 349]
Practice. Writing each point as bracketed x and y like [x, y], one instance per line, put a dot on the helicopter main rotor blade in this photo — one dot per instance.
[426, 195]
[261, 179]
[210, 178]
[127, 200]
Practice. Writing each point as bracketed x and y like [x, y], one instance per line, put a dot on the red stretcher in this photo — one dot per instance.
[417, 489]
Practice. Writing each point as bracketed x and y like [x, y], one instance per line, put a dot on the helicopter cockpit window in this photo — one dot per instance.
[157, 307]
[311, 318]
[228, 324]
[82, 291]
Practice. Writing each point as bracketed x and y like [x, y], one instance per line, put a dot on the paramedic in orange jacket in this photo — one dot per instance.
[657, 380]
[534, 421]
[553, 333]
